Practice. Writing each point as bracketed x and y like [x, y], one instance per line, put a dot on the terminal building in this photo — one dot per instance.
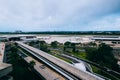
[83, 40]
[110, 40]
[23, 38]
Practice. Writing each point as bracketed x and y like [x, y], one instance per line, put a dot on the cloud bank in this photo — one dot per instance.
[50, 15]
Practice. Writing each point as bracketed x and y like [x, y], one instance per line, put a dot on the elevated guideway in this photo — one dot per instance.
[40, 68]
[52, 65]
[60, 64]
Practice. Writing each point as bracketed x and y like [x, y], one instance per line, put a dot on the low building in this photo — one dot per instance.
[84, 40]
[3, 38]
[23, 38]
[5, 68]
[42, 38]
[28, 38]
[112, 40]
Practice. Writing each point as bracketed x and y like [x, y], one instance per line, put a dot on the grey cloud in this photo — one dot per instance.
[39, 13]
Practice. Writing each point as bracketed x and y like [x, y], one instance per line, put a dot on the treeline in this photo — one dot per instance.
[103, 55]
[69, 32]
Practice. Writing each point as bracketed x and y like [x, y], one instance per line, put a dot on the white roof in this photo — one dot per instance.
[106, 38]
[80, 66]
[8, 36]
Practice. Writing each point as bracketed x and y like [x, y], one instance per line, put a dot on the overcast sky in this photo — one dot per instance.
[59, 15]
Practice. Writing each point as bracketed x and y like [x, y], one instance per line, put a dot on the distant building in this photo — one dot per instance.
[110, 40]
[43, 38]
[23, 38]
[27, 38]
[18, 31]
[3, 38]
[81, 40]
[106, 38]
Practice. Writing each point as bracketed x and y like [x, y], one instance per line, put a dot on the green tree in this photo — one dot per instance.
[42, 42]
[92, 44]
[54, 44]
[32, 64]
[73, 45]
[106, 56]
[67, 44]
[103, 55]
[43, 46]
[32, 43]
[91, 53]
[64, 48]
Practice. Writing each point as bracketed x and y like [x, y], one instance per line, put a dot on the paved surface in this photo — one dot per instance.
[44, 70]
[77, 61]
[70, 68]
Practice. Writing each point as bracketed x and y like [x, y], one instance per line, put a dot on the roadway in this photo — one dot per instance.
[41, 68]
[52, 65]
[64, 65]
